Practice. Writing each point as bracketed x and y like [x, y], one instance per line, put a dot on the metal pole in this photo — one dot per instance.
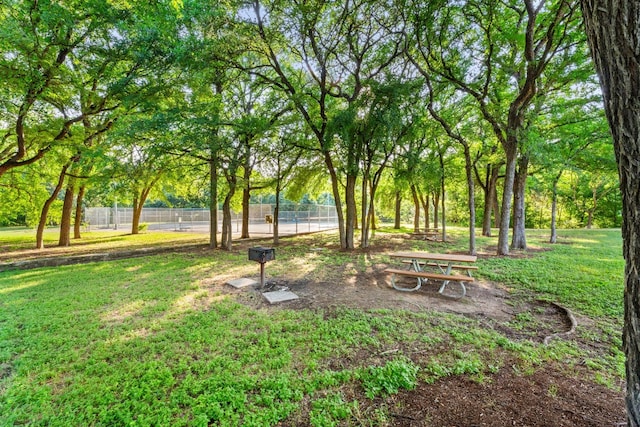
[262, 275]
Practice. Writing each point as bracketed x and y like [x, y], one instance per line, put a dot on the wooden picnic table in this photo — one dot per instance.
[444, 265]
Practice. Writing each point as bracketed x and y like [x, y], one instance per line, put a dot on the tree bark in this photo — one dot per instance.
[47, 204]
[396, 222]
[364, 218]
[614, 37]
[519, 238]
[490, 200]
[507, 197]
[350, 201]
[436, 210]
[213, 201]
[424, 201]
[65, 219]
[77, 224]
[227, 230]
[276, 213]
[592, 209]
[442, 196]
[497, 214]
[471, 198]
[246, 191]
[486, 212]
[554, 209]
[416, 209]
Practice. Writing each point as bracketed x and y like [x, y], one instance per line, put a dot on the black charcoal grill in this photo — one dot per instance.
[262, 256]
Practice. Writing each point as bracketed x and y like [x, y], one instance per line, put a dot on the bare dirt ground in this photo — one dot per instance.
[549, 396]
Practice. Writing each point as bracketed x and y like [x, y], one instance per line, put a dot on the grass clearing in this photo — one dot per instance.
[152, 341]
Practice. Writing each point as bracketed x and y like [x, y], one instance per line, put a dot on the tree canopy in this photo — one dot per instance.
[450, 105]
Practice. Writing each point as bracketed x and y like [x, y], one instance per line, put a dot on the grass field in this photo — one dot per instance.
[149, 341]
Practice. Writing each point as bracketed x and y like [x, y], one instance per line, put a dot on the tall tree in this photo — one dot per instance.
[614, 37]
[324, 54]
[497, 53]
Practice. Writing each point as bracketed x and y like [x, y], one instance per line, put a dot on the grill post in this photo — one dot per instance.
[262, 256]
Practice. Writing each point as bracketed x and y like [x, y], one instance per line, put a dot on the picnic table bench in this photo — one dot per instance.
[444, 264]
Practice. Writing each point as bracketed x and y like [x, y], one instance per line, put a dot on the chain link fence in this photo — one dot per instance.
[293, 219]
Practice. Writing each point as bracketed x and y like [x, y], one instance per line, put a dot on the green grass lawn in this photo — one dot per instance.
[151, 341]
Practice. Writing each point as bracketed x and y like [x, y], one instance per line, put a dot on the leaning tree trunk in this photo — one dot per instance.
[614, 37]
[335, 188]
[519, 239]
[416, 209]
[47, 204]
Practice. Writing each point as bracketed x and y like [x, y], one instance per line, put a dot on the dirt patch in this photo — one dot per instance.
[545, 398]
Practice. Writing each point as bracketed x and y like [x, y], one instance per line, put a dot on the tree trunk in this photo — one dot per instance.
[246, 193]
[65, 219]
[276, 213]
[591, 211]
[519, 239]
[372, 215]
[364, 219]
[436, 209]
[472, 200]
[507, 196]
[227, 231]
[443, 197]
[494, 200]
[424, 201]
[416, 209]
[47, 204]
[614, 37]
[135, 216]
[77, 225]
[486, 212]
[335, 188]
[397, 222]
[491, 200]
[213, 200]
[350, 201]
[554, 209]
[138, 204]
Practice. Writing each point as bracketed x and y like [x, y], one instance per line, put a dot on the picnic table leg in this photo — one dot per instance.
[447, 271]
[416, 267]
[399, 288]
